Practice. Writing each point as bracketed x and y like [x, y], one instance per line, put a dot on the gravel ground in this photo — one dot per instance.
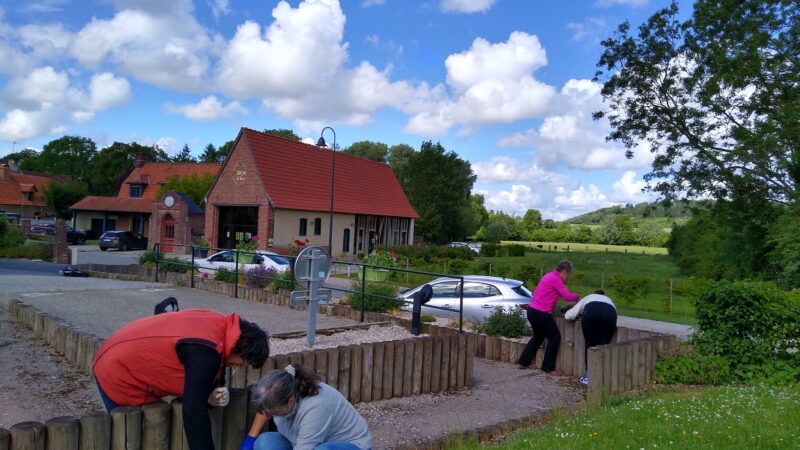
[351, 337]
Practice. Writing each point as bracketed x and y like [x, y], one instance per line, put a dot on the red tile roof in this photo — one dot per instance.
[298, 176]
[19, 181]
[152, 175]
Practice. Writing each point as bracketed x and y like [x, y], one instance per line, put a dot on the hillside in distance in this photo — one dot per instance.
[678, 212]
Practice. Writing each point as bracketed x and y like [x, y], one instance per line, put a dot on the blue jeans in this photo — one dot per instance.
[275, 441]
[110, 405]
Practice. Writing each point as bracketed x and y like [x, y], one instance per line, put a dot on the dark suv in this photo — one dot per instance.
[73, 236]
[122, 240]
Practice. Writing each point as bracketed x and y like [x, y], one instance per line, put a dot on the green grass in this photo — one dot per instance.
[750, 417]
[577, 247]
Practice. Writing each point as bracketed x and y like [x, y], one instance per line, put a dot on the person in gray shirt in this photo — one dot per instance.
[308, 414]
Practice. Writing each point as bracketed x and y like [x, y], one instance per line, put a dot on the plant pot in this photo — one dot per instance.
[200, 252]
[376, 274]
[246, 258]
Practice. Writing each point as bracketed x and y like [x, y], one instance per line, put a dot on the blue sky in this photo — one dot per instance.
[506, 84]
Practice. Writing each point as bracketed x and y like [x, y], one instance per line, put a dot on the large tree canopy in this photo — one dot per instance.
[376, 151]
[716, 98]
[69, 155]
[438, 185]
[112, 163]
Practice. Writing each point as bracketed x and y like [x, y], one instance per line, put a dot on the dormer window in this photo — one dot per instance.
[136, 190]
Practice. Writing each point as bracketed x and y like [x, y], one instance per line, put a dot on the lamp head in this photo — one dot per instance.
[321, 142]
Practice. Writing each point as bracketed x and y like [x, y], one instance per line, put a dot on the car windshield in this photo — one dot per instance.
[522, 290]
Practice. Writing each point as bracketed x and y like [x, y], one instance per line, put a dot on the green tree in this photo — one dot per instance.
[193, 185]
[616, 230]
[438, 185]
[398, 158]
[282, 132]
[112, 163]
[376, 151]
[185, 155]
[531, 221]
[68, 155]
[516, 231]
[496, 231]
[224, 150]
[479, 212]
[209, 154]
[716, 97]
[20, 157]
[651, 234]
[784, 236]
[61, 195]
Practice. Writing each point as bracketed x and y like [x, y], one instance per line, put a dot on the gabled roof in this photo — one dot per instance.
[19, 181]
[298, 176]
[152, 176]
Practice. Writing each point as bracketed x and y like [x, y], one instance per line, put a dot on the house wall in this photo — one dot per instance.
[287, 228]
[237, 184]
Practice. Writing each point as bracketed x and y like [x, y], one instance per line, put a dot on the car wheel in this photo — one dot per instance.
[102, 249]
[123, 248]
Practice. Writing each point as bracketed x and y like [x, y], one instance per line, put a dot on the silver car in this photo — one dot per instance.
[481, 295]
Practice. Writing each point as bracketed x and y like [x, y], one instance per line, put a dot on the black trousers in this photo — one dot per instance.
[599, 324]
[543, 326]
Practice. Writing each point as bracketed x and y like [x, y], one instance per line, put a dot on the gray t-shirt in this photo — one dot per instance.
[325, 417]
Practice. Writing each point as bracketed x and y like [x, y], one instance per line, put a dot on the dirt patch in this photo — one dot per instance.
[37, 383]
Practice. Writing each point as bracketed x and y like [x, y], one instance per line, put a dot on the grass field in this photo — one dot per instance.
[731, 417]
[577, 247]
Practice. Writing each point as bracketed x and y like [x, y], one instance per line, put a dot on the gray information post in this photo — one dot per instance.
[311, 269]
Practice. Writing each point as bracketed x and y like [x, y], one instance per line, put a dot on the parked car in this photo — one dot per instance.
[226, 259]
[474, 246]
[481, 295]
[48, 229]
[122, 240]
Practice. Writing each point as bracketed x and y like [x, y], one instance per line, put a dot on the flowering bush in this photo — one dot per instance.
[202, 242]
[382, 258]
[297, 246]
[247, 245]
[259, 276]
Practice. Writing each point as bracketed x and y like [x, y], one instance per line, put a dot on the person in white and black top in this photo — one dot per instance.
[599, 322]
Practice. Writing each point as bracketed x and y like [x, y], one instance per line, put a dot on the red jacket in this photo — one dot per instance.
[139, 364]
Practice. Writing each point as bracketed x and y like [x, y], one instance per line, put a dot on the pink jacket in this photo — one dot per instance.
[546, 294]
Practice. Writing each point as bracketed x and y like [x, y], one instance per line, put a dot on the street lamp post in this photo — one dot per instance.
[321, 143]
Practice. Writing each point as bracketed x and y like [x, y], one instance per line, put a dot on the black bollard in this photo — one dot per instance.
[421, 297]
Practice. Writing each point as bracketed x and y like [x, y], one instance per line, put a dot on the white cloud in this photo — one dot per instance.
[107, 91]
[592, 30]
[514, 201]
[380, 44]
[220, 7]
[466, 6]
[571, 137]
[45, 41]
[17, 124]
[491, 83]
[208, 108]
[504, 169]
[628, 189]
[368, 3]
[621, 2]
[168, 144]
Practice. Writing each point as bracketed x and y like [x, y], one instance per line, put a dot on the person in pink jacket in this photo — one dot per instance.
[540, 316]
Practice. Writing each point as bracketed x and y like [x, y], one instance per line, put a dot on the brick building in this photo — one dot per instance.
[137, 207]
[280, 190]
[22, 193]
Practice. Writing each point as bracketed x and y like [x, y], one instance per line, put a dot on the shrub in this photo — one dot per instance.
[259, 276]
[628, 289]
[755, 326]
[427, 318]
[378, 297]
[510, 323]
[172, 264]
[29, 251]
[457, 267]
[528, 272]
[489, 249]
[422, 254]
[282, 280]
[515, 250]
[10, 236]
[483, 267]
[687, 367]
[225, 275]
[501, 270]
[148, 256]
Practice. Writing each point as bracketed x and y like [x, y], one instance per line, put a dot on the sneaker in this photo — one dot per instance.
[521, 367]
[554, 373]
[585, 380]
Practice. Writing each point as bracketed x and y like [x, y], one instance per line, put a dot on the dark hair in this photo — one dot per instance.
[564, 266]
[600, 291]
[274, 389]
[253, 344]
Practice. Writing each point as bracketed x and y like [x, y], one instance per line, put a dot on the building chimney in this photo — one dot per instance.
[13, 165]
[4, 173]
[139, 160]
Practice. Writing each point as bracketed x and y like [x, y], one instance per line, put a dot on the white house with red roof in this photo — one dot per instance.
[136, 203]
[280, 190]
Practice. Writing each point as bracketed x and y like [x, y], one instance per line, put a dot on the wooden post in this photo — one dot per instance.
[344, 371]
[408, 367]
[560, 355]
[627, 376]
[469, 365]
[367, 361]
[356, 355]
[595, 391]
[252, 375]
[234, 420]
[417, 369]
[156, 426]
[215, 414]
[333, 367]
[578, 361]
[308, 360]
[377, 370]
[436, 365]
[490, 348]
[444, 383]
[28, 436]
[126, 429]
[388, 370]
[568, 348]
[63, 433]
[238, 377]
[505, 351]
[5, 439]
[607, 369]
[427, 354]
[177, 438]
[616, 368]
[95, 431]
[321, 364]
[461, 345]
